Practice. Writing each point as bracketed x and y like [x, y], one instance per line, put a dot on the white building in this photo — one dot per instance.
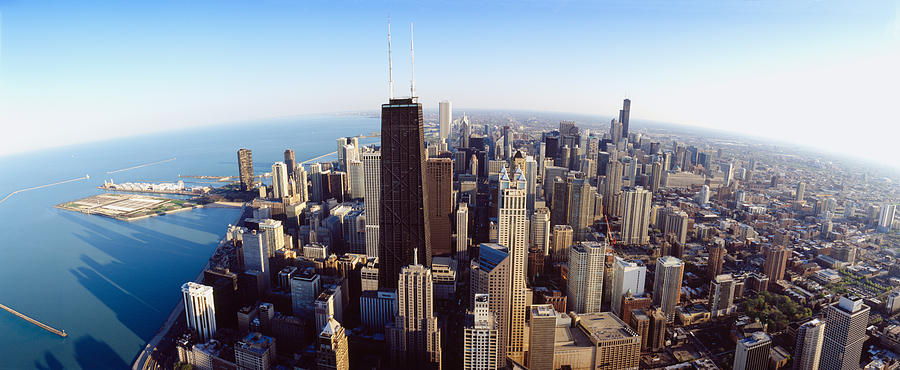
[627, 276]
[372, 171]
[480, 337]
[280, 184]
[446, 117]
[586, 263]
[199, 309]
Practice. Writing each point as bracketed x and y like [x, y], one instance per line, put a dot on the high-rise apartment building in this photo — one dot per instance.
[752, 352]
[414, 339]
[561, 243]
[581, 208]
[199, 309]
[512, 232]
[721, 295]
[446, 118]
[808, 350]
[776, 262]
[404, 227]
[658, 323]
[490, 275]
[586, 263]
[372, 173]
[540, 229]
[716, 260]
[439, 187]
[845, 333]
[886, 217]
[542, 332]
[628, 276]
[245, 169]
[636, 220]
[674, 222]
[480, 337]
[667, 285]
[272, 236]
[801, 191]
[280, 184]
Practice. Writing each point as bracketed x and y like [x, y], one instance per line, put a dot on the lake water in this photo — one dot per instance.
[110, 284]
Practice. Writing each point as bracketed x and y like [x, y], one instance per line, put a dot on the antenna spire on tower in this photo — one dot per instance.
[390, 63]
[412, 60]
[415, 256]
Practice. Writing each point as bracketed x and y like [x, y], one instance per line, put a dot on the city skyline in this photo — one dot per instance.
[766, 61]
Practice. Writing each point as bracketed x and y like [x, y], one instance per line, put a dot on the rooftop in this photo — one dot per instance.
[605, 326]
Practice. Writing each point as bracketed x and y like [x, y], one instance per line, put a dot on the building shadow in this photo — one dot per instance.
[49, 362]
[91, 353]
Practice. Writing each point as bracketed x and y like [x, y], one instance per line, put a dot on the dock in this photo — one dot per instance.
[41, 325]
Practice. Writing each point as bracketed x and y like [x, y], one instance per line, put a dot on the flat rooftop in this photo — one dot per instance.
[605, 326]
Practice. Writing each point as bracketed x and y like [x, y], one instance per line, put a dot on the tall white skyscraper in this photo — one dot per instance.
[512, 232]
[540, 229]
[273, 236]
[301, 182]
[199, 309]
[808, 351]
[636, 222]
[586, 263]
[462, 233]
[886, 217]
[355, 172]
[845, 333]
[721, 295]
[280, 188]
[667, 285]
[446, 117]
[315, 182]
[372, 172]
[627, 276]
[480, 337]
[703, 195]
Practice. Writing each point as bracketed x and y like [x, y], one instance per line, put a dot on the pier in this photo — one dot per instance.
[41, 325]
[141, 165]
[43, 186]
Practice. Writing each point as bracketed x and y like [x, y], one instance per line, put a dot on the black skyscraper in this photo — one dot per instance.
[403, 207]
[624, 114]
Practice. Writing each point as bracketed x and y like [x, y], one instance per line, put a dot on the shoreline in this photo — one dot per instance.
[140, 360]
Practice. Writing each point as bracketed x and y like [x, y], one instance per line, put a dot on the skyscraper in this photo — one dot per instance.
[245, 168]
[439, 187]
[541, 334]
[462, 233]
[716, 260]
[403, 224]
[305, 288]
[721, 295]
[586, 263]
[801, 191]
[776, 262]
[675, 223]
[581, 208]
[290, 160]
[256, 255]
[540, 229]
[628, 276]
[512, 232]
[808, 351]
[356, 173]
[636, 221]
[656, 173]
[667, 285]
[333, 348]
[625, 116]
[886, 217]
[372, 172]
[845, 333]
[446, 117]
[657, 330]
[280, 183]
[480, 337]
[490, 275]
[561, 242]
[752, 352]
[199, 309]
[414, 338]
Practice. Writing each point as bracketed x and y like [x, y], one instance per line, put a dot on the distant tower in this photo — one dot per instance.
[446, 117]
[199, 309]
[636, 222]
[372, 172]
[245, 168]
[752, 352]
[439, 187]
[290, 161]
[801, 191]
[667, 285]
[581, 208]
[480, 337]
[808, 351]
[716, 260]
[776, 262]
[886, 218]
[462, 233]
[586, 263]
[490, 275]
[561, 243]
[280, 182]
[624, 116]
[333, 350]
[414, 338]
[540, 229]
[845, 333]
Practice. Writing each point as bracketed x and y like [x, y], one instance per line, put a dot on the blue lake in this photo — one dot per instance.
[110, 284]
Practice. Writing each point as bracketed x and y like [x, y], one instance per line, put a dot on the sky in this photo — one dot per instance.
[824, 74]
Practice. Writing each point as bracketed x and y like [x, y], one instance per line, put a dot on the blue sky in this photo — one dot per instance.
[820, 73]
